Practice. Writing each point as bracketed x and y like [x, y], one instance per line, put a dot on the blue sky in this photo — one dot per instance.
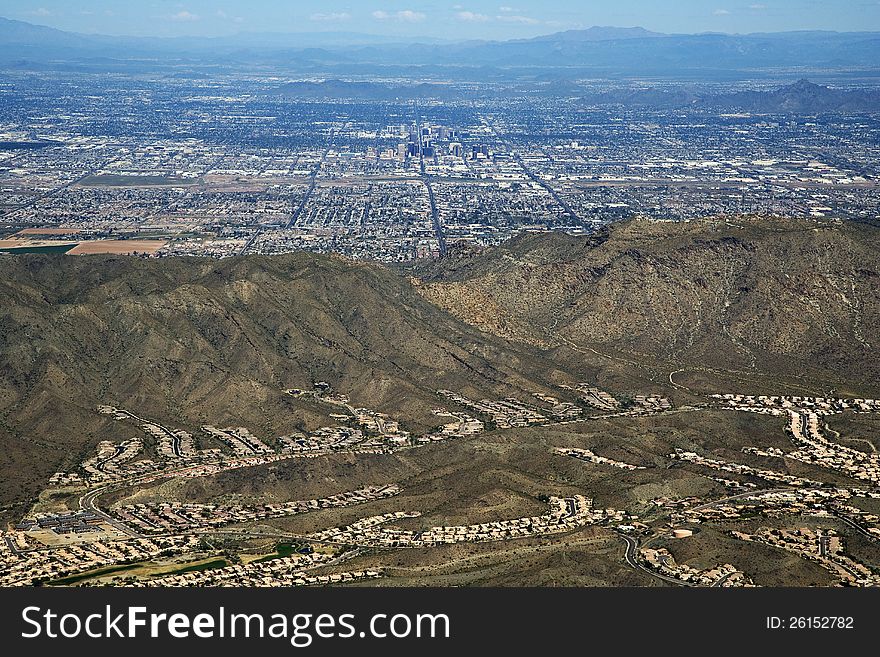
[490, 19]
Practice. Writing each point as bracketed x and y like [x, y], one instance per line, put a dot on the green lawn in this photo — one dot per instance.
[64, 248]
[209, 565]
[73, 579]
[281, 550]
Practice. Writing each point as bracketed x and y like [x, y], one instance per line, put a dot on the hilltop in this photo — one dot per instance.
[783, 298]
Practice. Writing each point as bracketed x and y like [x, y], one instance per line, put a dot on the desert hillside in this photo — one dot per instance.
[776, 296]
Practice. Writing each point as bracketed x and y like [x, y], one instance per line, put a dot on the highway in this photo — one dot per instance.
[435, 214]
[537, 179]
[550, 190]
[313, 181]
[435, 218]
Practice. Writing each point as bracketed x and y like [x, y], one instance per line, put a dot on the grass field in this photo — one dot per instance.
[140, 571]
[75, 579]
[16, 249]
[281, 550]
[197, 567]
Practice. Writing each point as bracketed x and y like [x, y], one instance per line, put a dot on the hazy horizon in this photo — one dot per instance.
[415, 19]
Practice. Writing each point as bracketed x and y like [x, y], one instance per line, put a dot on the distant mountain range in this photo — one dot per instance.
[604, 50]
[20, 33]
[802, 97]
[598, 33]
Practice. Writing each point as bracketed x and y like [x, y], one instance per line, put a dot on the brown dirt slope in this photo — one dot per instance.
[194, 341]
[787, 297]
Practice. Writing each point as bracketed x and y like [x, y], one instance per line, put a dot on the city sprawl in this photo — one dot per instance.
[242, 165]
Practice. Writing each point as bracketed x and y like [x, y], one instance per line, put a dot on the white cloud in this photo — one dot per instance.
[222, 14]
[408, 16]
[471, 17]
[184, 17]
[504, 9]
[721, 12]
[334, 17]
[522, 20]
[757, 7]
[404, 16]
[41, 11]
